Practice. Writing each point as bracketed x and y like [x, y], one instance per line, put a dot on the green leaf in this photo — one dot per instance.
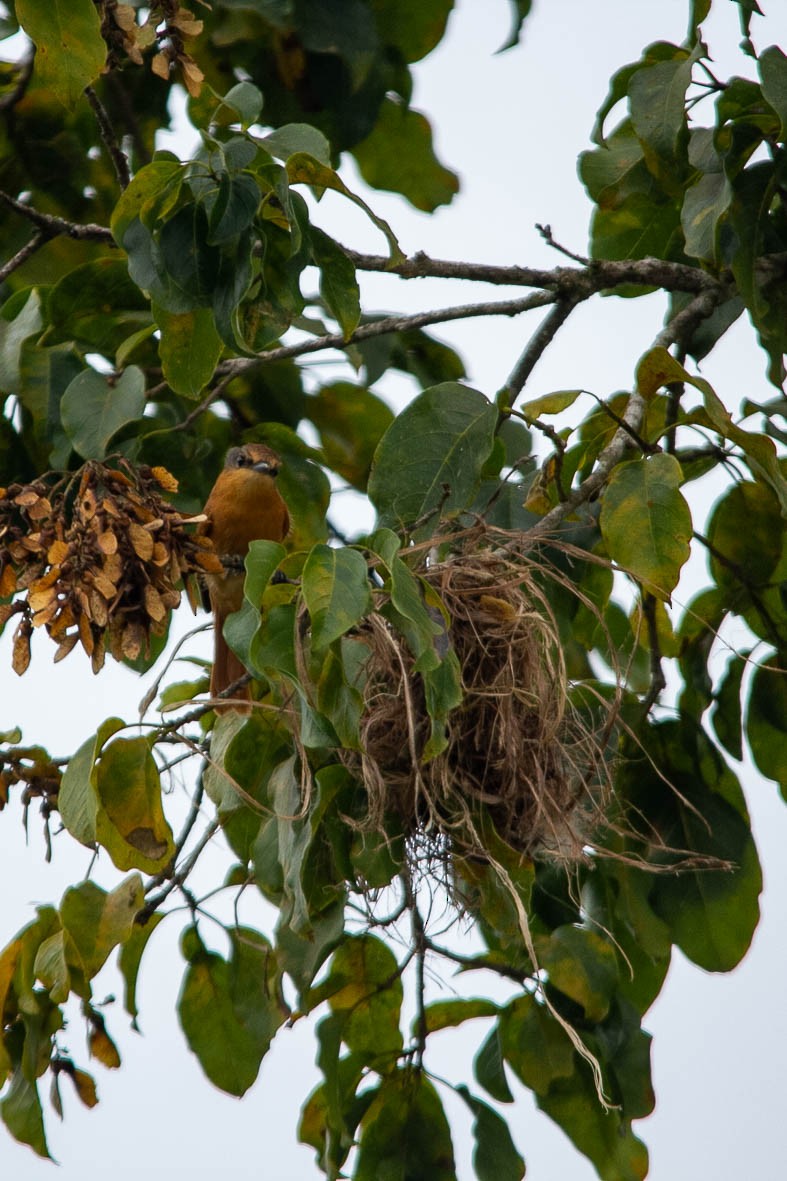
[98, 305]
[550, 403]
[77, 800]
[448, 1014]
[489, 1068]
[151, 193]
[335, 586]
[657, 96]
[94, 409]
[246, 100]
[534, 1044]
[70, 49]
[129, 961]
[230, 1010]
[97, 921]
[234, 209]
[404, 1133]
[773, 72]
[303, 168]
[726, 713]
[351, 421]
[189, 348]
[338, 284]
[694, 802]
[415, 27]
[398, 156]
[646, 521]
[766, 719]
[292, 138]
[365, 990]
[704, 205]
[582, 965]
[21, 1113]
[430, 458]
[495, 1157]
[130, 821]
[603, 1136]
[262, 562]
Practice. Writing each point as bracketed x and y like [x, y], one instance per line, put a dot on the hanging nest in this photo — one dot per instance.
[517, 754]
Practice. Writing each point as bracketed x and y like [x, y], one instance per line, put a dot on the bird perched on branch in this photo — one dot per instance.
[244, 506]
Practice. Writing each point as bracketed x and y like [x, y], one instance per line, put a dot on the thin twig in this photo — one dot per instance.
[116, 155]
[546, 234]
[178, 878]
[657, 679]
[534, 349]
[36, 242]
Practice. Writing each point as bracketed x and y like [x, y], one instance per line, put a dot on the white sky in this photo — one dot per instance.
[512, 126]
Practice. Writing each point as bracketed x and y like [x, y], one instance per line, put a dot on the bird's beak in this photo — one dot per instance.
[266, 468]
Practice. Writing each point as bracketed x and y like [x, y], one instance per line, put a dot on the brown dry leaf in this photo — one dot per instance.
[65, 646]
[164, 479]
[101, 1046]
[193, 76]
[46, 614]
[98, 654]
[171, 598]
[110, 508]
[57, 552]
[32, 543]
[87, 505]
[105, 585]
[6, 611]
[160, 66]
[46, 580]
[153, 604]
[113, 567]
[86, 634]
[27, 498]
[41, 597]
[98, 609]
[85, 1088]
[185, 22]
[40, 509]
[5, 783]
[7, 582]
[160, 554]
[20, 659]
[141, 541]
[124, 17]
[107, 542]
[131, 643]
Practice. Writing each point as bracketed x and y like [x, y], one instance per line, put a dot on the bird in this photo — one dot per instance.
[244, 506]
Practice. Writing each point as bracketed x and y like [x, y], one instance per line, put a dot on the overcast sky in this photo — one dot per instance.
[512, 126]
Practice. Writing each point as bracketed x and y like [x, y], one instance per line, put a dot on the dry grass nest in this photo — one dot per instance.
[517, 753]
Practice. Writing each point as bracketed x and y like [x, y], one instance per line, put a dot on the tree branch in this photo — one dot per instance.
[36, 242]
[55, 227]
[116, 155]
[534, 349]
[582, 281]
[335, 340]
[631, 422]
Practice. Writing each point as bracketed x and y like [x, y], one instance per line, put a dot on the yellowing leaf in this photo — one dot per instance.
[70, 49]
[646, 521]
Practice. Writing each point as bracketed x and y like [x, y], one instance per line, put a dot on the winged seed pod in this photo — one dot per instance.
[97, 558]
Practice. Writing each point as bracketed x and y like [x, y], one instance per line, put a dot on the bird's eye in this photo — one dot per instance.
[243, 459]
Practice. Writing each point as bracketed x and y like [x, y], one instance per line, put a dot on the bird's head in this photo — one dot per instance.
[254, 457]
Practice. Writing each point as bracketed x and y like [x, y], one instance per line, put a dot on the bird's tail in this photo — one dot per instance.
[227, 668]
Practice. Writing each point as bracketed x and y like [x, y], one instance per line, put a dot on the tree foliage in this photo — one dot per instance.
[155, 311]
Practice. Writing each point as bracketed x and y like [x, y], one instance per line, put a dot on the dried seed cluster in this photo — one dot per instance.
[166, 26]
[100, 557]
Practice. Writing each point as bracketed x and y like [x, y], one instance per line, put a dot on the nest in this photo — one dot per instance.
[516, 754]
[97, 558]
